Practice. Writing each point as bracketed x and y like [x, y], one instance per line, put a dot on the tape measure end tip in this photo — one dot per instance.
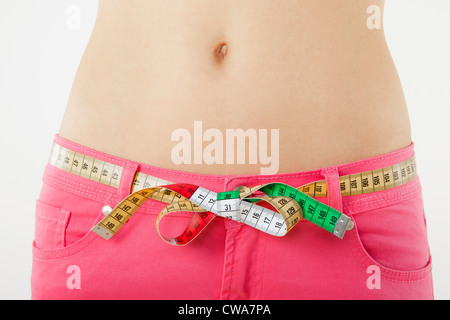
[102, 232]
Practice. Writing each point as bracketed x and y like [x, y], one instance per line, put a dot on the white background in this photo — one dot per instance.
[39, 55]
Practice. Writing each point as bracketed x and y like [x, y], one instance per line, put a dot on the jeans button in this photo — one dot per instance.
[107, 210]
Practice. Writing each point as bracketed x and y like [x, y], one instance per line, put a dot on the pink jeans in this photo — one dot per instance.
[385, 256]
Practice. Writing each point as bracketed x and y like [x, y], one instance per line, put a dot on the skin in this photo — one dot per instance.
[310, 68]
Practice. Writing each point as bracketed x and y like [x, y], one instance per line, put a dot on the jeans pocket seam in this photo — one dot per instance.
[393, 275]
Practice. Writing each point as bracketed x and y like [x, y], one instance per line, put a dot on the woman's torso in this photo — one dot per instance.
[313, 70]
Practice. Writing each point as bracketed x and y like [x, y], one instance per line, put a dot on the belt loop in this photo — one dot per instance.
[126, 180]
[334, 195]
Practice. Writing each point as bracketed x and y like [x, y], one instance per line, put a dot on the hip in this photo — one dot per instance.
[384, 256]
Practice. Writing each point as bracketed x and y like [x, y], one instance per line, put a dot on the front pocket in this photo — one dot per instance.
[63, 223]
[50, 226]
[393, 237]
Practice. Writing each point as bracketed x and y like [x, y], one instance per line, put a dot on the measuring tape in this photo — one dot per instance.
[290, 206]
[243, 205]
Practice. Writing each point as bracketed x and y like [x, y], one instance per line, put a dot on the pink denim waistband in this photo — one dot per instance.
[218, 183]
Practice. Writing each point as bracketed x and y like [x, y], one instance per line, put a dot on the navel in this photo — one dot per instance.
[221, 51]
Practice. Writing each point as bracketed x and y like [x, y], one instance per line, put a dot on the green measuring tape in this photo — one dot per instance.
[312, 210]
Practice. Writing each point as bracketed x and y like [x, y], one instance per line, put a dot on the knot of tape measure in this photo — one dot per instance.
[244, 205]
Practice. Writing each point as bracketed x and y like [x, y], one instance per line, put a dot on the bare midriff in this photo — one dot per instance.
[311, 71]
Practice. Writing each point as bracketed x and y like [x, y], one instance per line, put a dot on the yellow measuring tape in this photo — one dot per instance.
[277, 209]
